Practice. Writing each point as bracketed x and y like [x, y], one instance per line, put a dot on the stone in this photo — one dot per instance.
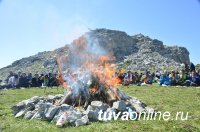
[51, 111]
[89, 108]
[65, 106]
[30, 106]
[62, 120]
[73, 116]
[50, 97]
[119, 105]
[93, 114]
[21, 113]
[132, 113]
[40, 107]
[18, 107]
[29, 115]
[139, 108]
[100, 105]
[83, 121]
[59, 96]
[134, 101]
[61, 110]
[39, 116]
[109, 114]
[34, 99]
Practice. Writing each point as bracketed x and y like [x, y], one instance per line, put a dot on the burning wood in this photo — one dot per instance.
[89, 74]
[82, 92]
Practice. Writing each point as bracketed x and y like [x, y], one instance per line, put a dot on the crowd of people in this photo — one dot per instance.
[17, 80]
[187, 76]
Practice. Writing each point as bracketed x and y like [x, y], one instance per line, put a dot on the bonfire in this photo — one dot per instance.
[88, 73]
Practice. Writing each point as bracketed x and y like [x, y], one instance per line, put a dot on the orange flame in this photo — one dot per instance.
[101, 67]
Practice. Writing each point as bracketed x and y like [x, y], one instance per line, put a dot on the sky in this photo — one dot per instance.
[31, 26]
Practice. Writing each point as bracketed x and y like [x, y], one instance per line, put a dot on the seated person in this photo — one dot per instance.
[173, 78]
[121, 76]
[126, 79]
[193, 81]
[164, 79]
[146, 79]
[137, 79]
[52, 80]
[23, 81]
[182, 77]
[158, 74]
[130, 77]
[36, 82]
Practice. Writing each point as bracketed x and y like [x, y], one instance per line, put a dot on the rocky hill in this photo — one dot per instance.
[136, 52]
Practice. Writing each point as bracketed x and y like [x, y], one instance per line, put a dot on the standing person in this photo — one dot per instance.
[10, 75]
[192, 67]
[45, 81]
[187, 69]
[41, 79]
[29, 78]
[11, 82]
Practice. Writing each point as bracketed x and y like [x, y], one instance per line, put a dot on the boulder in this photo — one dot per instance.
[93, 114]
[100, 105]
[39, 116]
[18, 107]
[119, 105]
[61, 110]
[21, 113]
[73, 116]
[30, 106]
[34, 99]
[51, 111]
[139, 108]
[29, 114]
[83, 121]
[62, 120]
[109, 114]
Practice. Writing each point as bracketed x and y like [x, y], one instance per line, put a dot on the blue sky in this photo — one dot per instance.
[31, 26]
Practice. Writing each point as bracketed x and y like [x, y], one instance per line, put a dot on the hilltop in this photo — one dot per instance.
[137, 52]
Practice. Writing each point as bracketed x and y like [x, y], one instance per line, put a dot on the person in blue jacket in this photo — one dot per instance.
[164, 79]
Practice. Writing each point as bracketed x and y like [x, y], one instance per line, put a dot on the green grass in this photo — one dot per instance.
[161, 98]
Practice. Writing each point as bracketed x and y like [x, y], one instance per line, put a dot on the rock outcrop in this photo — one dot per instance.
[136, 52]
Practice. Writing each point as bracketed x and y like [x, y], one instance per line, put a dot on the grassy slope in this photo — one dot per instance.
[161, 98]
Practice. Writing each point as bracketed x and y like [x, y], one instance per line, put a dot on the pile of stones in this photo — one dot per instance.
[44, 108]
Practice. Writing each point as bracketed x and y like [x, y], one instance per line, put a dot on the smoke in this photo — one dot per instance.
[87, 67]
